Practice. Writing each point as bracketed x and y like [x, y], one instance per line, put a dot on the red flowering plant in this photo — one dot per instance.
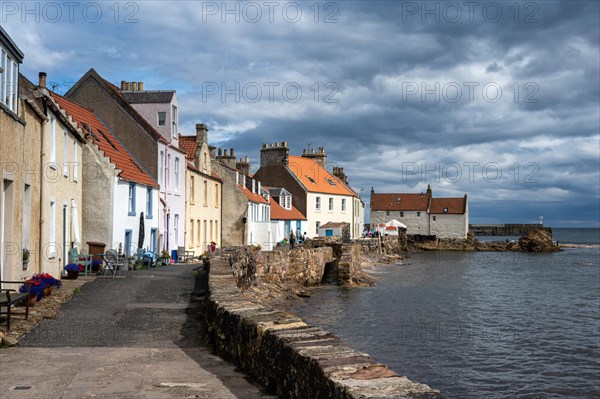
[39, 282]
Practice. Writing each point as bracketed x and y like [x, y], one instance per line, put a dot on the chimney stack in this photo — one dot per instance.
[243, 166]
[201, 133]
[320, 156]
[228, 158]
[339, 173]
[274, 154]
[42, 80]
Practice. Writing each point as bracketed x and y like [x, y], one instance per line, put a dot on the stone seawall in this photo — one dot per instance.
[290, 358]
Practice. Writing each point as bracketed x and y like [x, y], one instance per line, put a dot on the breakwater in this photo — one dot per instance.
[289, 357]
[505, 229]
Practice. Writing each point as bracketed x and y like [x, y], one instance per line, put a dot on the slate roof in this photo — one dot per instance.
[280, 213]
[148, 96]
[316, 178]
[399, 202]
[455, 206]
[106, 142]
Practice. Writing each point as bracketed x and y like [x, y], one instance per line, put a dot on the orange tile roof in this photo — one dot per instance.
[188, 145]
[407, 202]
[280, 213]
[315, 177]
[106, 142]
[454, 205]
[334, 225]
[253, 197]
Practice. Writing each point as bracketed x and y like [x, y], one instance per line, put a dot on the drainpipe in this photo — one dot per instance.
[42, 186]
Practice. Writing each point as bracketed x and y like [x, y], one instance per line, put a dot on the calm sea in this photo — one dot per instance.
[479, 325]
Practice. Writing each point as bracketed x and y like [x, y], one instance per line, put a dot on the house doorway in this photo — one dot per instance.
[6, 224]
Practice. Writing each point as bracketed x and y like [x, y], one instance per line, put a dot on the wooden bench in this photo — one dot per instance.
[10, 298]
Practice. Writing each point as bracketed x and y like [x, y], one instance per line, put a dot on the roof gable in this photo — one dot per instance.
[316, 178]
[106, 142]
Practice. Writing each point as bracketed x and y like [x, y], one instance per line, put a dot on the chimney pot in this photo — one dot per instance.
[247, 160]
[304, 152]
[284, 144]
[123, 85]
[141, 86]
[231, 152]
[225, 153]
[42, 80]
[134, 86]
[220, 151]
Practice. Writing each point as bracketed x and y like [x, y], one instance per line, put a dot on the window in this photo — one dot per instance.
[192, 244]
[318, 204]
[149, 203]
[418, 214]
[52, 235]
[317, 225]
[176, 229]
[434, 218]
[131, 199]
[53, 141]
[330, 204]
[204, 233]
[153, 234]
[343, 204]
[216, 231]
[161, 171]
[205, 163]
[65, 153]
[205, 192]
[26, 228]
[331, 182]
[168, 170]
[211, 230]
[216, 195]
[75, 162]
[401, 214]
[162, 119]
[192, 194]
[177, 173]
[198, 238]
[9, 81]
[174, 121]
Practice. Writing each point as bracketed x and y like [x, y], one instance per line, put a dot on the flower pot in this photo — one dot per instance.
[95, 268]
[48, 291]
[32, 299]
[72, 275]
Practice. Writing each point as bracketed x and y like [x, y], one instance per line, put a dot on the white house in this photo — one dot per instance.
[286, 216]
[119, 196]
[422, 214]
[259, 227]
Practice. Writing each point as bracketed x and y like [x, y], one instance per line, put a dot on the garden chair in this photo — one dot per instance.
[114, 263]
[81, 259]
[183, 255]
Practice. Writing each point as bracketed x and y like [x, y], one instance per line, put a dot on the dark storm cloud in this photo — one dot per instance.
[395, 72]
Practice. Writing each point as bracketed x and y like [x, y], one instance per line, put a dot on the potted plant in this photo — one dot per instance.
[72, 270]
[35, 288]
[25, 258]
[95, 265]
[164, 256]
[49, 282]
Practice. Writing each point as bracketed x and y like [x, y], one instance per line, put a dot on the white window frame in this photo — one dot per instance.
[53, 141]
[65, 152]
[343, 204]
[52, 232]
[158, 119]
[177, 173]
[318, 204]
[330, 204]
[75, 162]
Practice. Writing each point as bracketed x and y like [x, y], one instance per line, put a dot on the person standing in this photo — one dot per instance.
[292, 240]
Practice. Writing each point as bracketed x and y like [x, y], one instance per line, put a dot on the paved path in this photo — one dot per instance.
[138, 337]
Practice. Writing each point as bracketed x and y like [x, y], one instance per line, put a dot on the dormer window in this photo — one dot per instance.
[286, 202]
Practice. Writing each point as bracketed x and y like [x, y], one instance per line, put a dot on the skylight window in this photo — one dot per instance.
[310, 179]
[331, 182]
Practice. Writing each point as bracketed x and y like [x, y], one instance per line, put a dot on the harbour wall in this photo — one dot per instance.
[287, 356]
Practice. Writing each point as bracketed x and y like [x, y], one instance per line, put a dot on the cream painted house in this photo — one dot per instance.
[203, 189]
[422, 214]
[61, 186]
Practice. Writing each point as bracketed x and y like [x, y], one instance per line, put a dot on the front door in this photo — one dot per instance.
[65, 242]
[128, 236]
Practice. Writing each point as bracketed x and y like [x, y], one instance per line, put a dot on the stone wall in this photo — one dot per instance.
[386, 245]
[290, 358]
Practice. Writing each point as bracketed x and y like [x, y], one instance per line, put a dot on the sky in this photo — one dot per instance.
[496, 99]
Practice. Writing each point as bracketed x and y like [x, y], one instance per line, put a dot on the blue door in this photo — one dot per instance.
[328, 233]
[128, 236]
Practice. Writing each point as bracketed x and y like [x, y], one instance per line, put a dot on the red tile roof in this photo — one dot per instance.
[188, 145]
[334, 225]
[316, 178]
[280, 213]
[106, 142]
[453, 205]
[399, 202]
[253, 197]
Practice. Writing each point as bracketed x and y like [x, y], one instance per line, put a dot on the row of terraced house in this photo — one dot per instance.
[106, 165]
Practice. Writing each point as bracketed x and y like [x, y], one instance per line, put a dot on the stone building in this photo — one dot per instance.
[21, 119]
[421, 213]
[146, 123]
[321, 196]
[204, 200]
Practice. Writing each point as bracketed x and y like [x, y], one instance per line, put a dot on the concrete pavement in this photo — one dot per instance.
[137, 337]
